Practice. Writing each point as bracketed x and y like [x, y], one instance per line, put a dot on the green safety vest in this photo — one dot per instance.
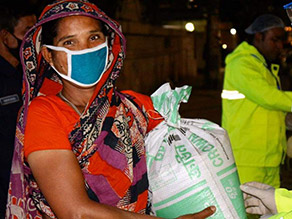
[253, 108]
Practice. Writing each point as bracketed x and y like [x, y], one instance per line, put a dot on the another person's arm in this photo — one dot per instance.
[285, 215]
[264, 199]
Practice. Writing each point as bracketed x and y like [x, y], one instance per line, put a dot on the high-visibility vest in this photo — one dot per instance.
[254, 108]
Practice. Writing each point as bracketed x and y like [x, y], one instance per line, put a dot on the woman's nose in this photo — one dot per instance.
[84, 45]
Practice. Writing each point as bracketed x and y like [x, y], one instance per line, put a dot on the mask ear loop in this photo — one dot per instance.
[69, 64]
[106, 59]
[67, 51]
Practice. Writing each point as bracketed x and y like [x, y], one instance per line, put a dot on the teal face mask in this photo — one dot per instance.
[85, 67]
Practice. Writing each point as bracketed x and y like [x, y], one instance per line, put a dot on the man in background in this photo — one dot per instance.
[14, 22]
[253, 104]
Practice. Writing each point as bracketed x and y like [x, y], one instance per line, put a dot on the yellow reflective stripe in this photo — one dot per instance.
[231, 95]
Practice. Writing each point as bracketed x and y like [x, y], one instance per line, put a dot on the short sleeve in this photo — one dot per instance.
[48, 125]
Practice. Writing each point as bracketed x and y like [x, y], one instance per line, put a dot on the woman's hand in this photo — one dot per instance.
[200, 215]
[60, 179]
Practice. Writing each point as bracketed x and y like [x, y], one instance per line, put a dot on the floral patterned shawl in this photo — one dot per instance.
[127, 121]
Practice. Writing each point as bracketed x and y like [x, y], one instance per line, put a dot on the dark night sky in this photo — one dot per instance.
[239, 12]
[243, 12]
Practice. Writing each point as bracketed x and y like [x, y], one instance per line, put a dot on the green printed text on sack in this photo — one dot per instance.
[186, 158]
[205, 146]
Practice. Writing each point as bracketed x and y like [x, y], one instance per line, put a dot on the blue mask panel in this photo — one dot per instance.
[87, 68]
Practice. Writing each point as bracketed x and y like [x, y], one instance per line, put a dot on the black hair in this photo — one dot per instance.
[49, 31]
[10, 14]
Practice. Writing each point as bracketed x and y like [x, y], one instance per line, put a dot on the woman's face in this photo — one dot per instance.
[75, 33]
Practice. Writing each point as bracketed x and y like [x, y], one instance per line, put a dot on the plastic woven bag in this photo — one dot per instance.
[190, 163]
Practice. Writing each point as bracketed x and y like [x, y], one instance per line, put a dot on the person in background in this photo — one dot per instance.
[266, 200]
[80, 152]
[13, 25]
[253, 104]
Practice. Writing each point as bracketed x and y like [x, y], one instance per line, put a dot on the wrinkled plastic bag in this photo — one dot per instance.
[190, 163]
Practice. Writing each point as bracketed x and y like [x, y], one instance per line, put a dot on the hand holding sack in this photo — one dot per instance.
[259, 198]
[190, 163]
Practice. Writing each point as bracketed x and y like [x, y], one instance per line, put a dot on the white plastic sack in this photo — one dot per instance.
[190, 163]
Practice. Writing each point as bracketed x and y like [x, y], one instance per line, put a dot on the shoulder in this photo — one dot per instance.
[50, 108]
[42, 105]
[48, 124]
[245, 64]
[48, 103]
[247, 54]
[44, 101]
[43, 108]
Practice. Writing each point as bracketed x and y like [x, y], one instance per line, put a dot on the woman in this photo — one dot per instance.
[80, 144]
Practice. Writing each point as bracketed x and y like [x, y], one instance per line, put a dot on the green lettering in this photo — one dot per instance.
[200, 143]
[208, 147]
[187, 155]
[218, 162]
[181, 148]
[214, 156]
[160, 153]
[193, 137]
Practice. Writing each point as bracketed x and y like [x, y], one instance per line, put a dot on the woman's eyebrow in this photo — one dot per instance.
[65, 38]
[95, 31]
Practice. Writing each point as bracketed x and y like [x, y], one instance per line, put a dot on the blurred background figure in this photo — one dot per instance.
[253, 104]
[14, 22]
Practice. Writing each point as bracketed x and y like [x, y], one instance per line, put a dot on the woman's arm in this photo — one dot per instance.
[61, 181]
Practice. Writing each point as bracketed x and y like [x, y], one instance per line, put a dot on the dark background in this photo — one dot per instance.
[239, 12]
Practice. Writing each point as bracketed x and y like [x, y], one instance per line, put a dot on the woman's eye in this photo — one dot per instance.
[95, 37]
[68, 43]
